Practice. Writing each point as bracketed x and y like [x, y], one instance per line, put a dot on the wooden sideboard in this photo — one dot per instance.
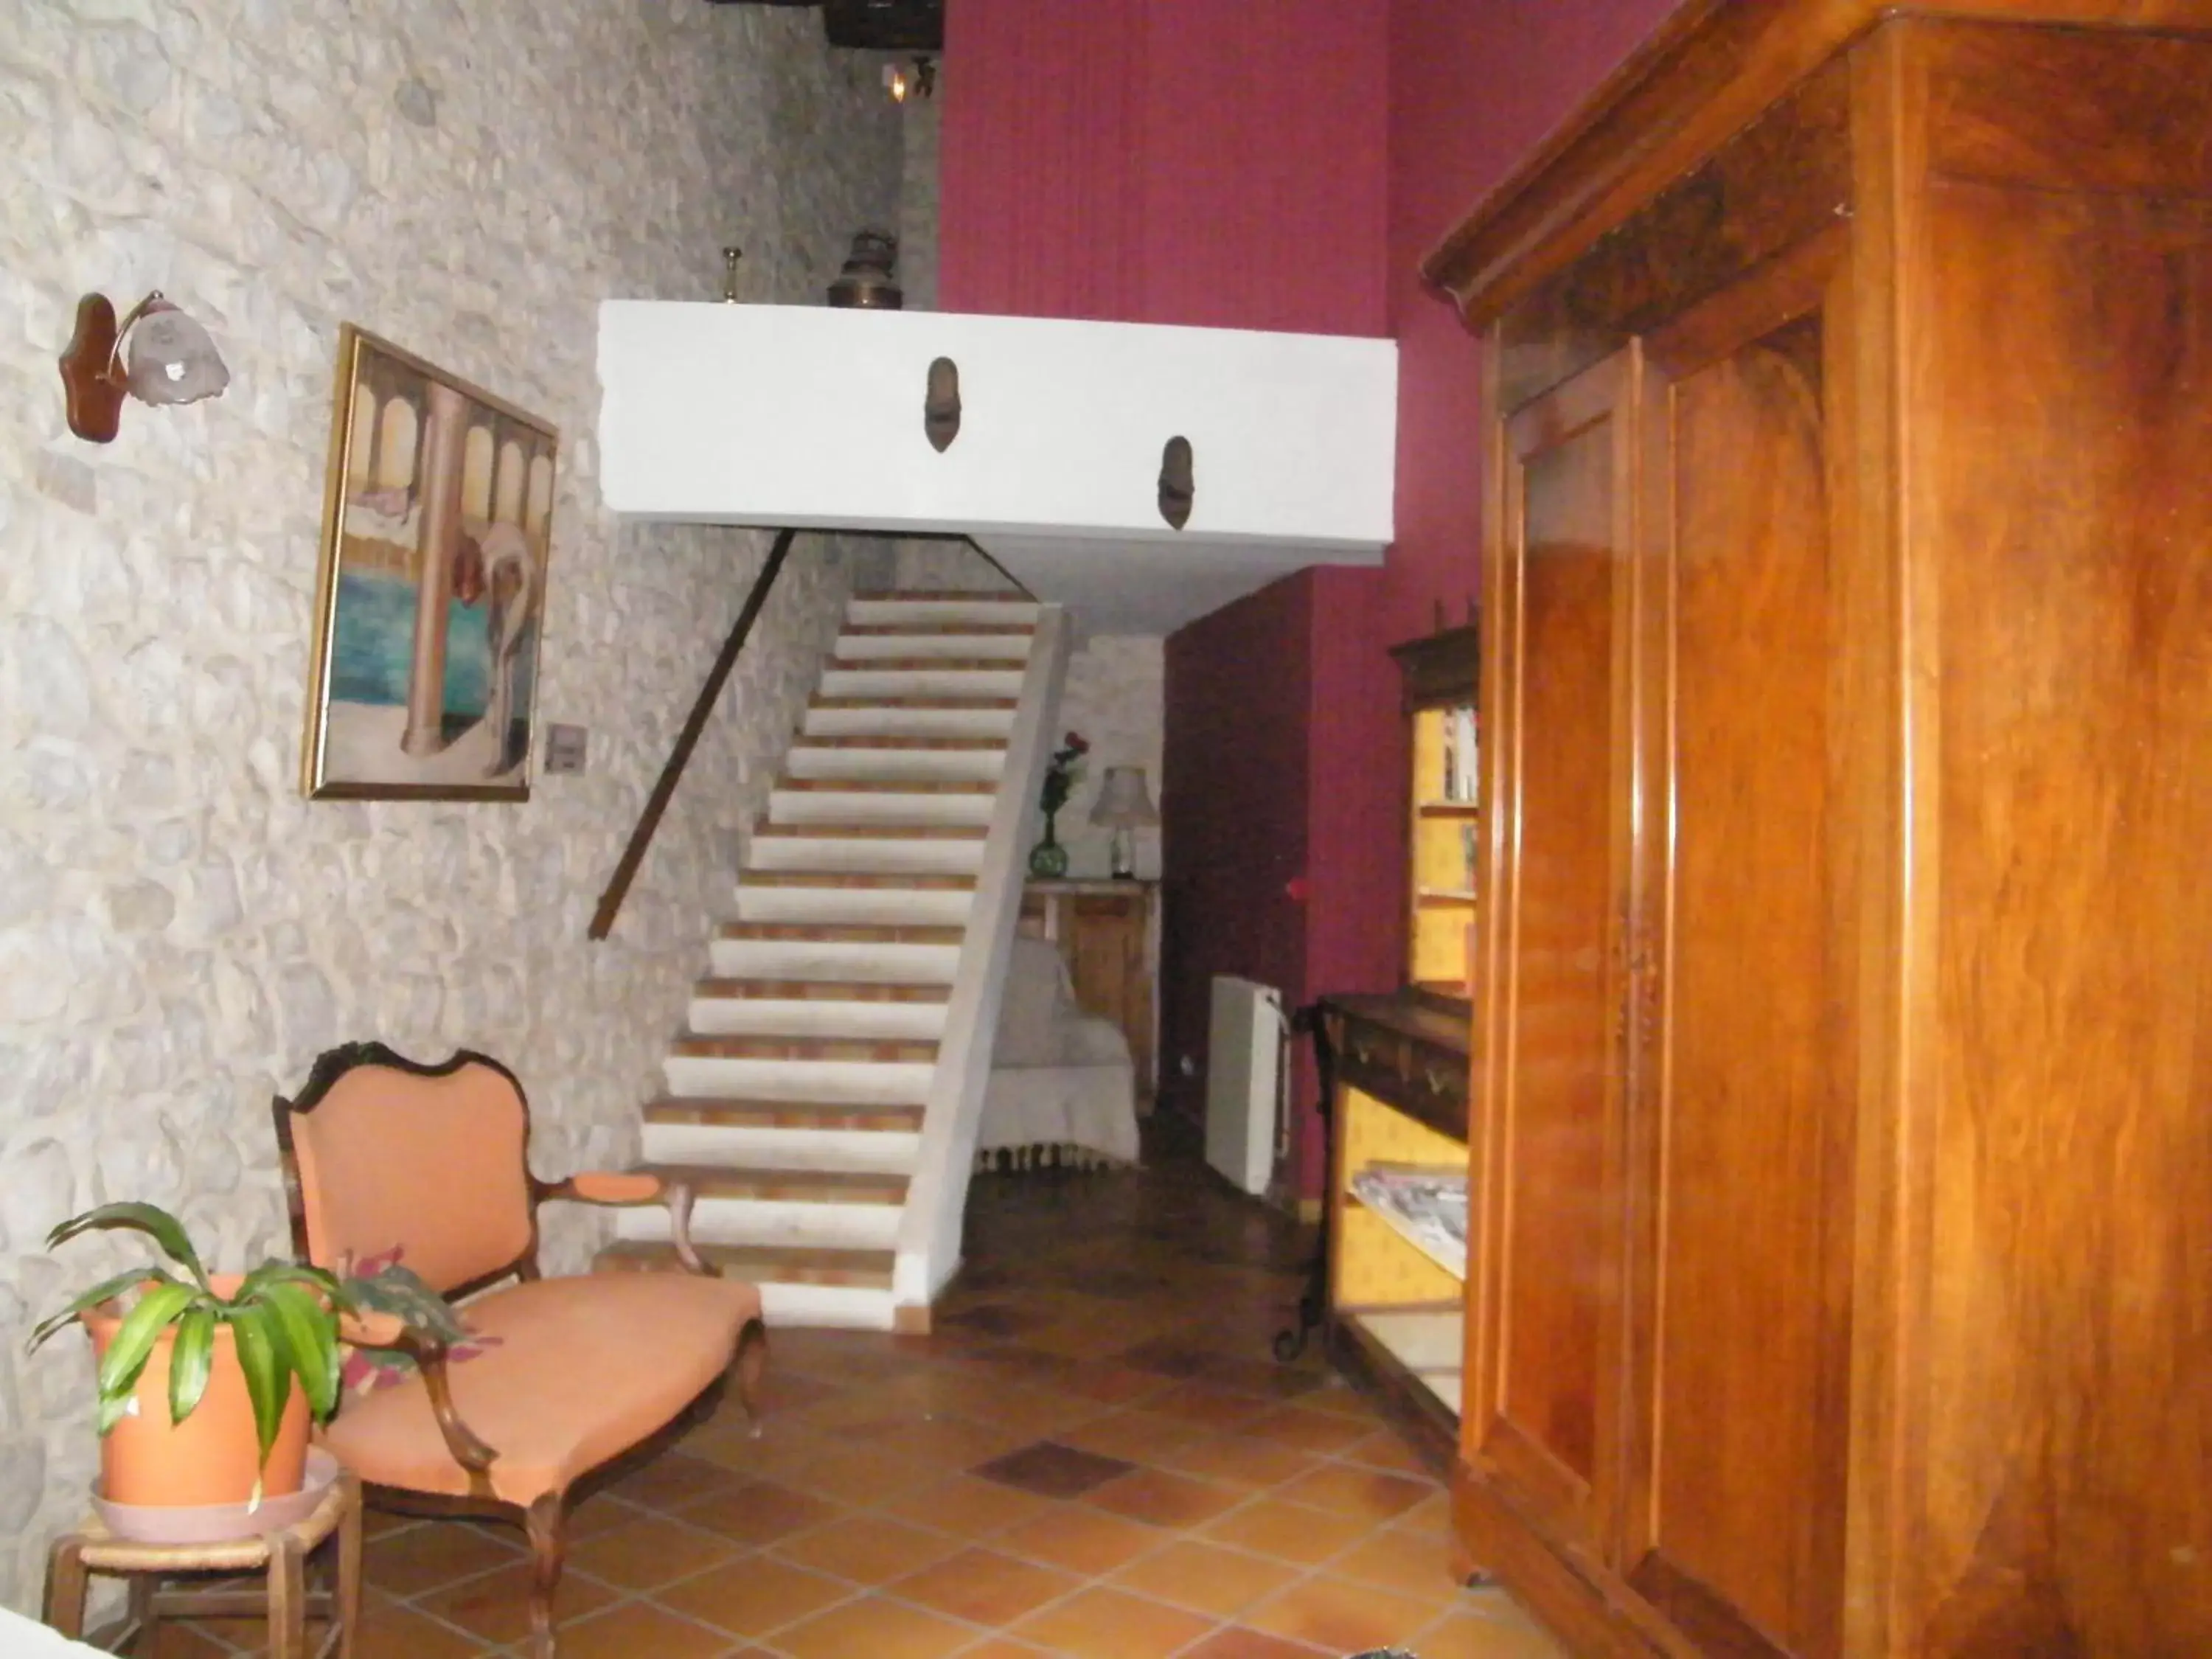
[1107, 932]
[1843, 1022]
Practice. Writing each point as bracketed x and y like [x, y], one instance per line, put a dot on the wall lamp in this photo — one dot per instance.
[170, 360]
[902, 82]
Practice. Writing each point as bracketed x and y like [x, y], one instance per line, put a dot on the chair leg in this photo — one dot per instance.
[65, 1586]
[752, 1361]
[546, 1520]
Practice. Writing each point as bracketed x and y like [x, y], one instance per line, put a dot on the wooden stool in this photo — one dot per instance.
[282, 1555]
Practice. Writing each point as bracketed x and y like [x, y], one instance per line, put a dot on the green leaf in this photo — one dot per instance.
[402, 1292]
[104, 1291]
[310, 1333]
[191, 1361]
[267, 1365]
[134, 1340]
[322, 1283]
[157, 1224]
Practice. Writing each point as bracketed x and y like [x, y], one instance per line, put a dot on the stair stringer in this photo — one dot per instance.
[930, 1227]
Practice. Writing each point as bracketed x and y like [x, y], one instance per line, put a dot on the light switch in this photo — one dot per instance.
[564, 749]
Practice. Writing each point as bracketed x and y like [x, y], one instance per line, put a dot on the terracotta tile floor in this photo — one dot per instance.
[1093, 1456]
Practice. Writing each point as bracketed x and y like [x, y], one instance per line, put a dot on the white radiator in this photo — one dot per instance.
[1243, 1069]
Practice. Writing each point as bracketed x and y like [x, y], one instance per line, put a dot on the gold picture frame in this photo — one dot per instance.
[429, 604]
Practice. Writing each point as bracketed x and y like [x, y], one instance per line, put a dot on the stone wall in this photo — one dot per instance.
[1115, 698]
[179, 931]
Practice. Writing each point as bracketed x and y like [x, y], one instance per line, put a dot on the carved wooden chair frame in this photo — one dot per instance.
[545, 1521]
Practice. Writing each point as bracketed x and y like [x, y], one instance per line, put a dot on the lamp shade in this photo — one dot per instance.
[1123, 802]
[171, 358]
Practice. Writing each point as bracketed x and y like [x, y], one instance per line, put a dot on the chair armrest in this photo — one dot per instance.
[628, 1187]
[389, 1331]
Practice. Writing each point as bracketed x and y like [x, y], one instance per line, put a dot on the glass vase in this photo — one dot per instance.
[1048, 859]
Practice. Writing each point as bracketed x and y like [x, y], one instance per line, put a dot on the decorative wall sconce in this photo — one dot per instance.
[170, 360]
[940, 405]
[902, 82]
[1178, 486]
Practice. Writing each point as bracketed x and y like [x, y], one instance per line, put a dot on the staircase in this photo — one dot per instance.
[799, 1091]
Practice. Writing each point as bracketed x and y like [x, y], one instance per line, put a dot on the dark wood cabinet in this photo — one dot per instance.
[1842, 1021]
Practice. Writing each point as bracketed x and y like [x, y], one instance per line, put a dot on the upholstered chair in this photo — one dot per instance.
[562, 1380]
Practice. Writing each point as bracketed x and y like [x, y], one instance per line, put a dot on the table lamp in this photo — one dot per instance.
[1124, 807]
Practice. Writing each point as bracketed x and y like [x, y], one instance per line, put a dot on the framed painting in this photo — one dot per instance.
[437, 526]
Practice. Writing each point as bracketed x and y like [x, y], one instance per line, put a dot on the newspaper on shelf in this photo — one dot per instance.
[1426, 1203]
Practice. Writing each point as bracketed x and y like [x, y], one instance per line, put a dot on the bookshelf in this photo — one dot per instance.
[1444, 806]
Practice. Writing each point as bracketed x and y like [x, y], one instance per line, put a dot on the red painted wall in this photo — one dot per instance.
[1234, 830]
[1197, 161]
[1474, 85]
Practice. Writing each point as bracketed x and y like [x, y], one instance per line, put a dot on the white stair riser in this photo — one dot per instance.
[856, 1082]
[869, 807]
[965, 648]
[921, 682]
[772, 1221]
[928, 765]
[857, 1152]
[888, 906]
[896, 613]
[826, 1307]
[817, 1017]
[890, 721]
[803, 958]
[866, 855]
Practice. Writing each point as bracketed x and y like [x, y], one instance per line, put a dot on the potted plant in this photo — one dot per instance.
[1048, 859]
[198, 1406]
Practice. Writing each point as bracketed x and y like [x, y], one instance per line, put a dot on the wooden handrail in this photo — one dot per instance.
[610, 902]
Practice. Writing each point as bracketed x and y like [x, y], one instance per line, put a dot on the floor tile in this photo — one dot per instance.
[1205, 1578]
[1107, 1623]
[1309, 1429]
[760, 1513]
[1081, 1539]
[1472, 1636]
[754, 1595]
[1049, 1469]
[1412, 1564]
[635, 1628]
[1240, 1461]
[1207, 1406]
[877, 1628]
[867, 1549]
[496, 1606]
[968, 1508]
[1289, 1532]
[672, 1478]
[1240, 1642]
[985, 1588]
[1160, 1499]
[396, 1631]
[649, 1552]
[423, 1557]
[1339, 1616]
[1364, 1494]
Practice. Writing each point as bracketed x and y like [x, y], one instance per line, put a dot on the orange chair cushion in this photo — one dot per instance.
[582, 1369]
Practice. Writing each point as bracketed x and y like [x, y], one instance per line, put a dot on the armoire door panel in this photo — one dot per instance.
[1552, 1399]
[2066, 475]
[1743, 1097]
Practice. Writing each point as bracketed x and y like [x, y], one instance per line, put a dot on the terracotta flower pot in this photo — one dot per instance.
[213, 1456]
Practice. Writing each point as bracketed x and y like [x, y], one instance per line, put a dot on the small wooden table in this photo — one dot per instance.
[283, 1556]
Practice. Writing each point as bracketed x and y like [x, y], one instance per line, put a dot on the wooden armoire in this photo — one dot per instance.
[1841, 1265]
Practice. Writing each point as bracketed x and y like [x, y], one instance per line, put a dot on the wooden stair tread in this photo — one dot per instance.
[845, 932]
[954, 595]
[875, 831]
[798, 1185]
[919, 745]
[985, 705]
[730, 1112]
[927, 664]
[757, 1264]
[863, 881]
[856, 1051]
[889, 786]
[923, 628]
[755, 988]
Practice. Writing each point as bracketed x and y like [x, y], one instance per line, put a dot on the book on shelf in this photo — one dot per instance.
[1426, 1202]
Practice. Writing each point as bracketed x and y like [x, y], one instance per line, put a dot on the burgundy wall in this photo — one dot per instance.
[1474, 85]
[1233, 829]
[1199, 161]
[1285, 167]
